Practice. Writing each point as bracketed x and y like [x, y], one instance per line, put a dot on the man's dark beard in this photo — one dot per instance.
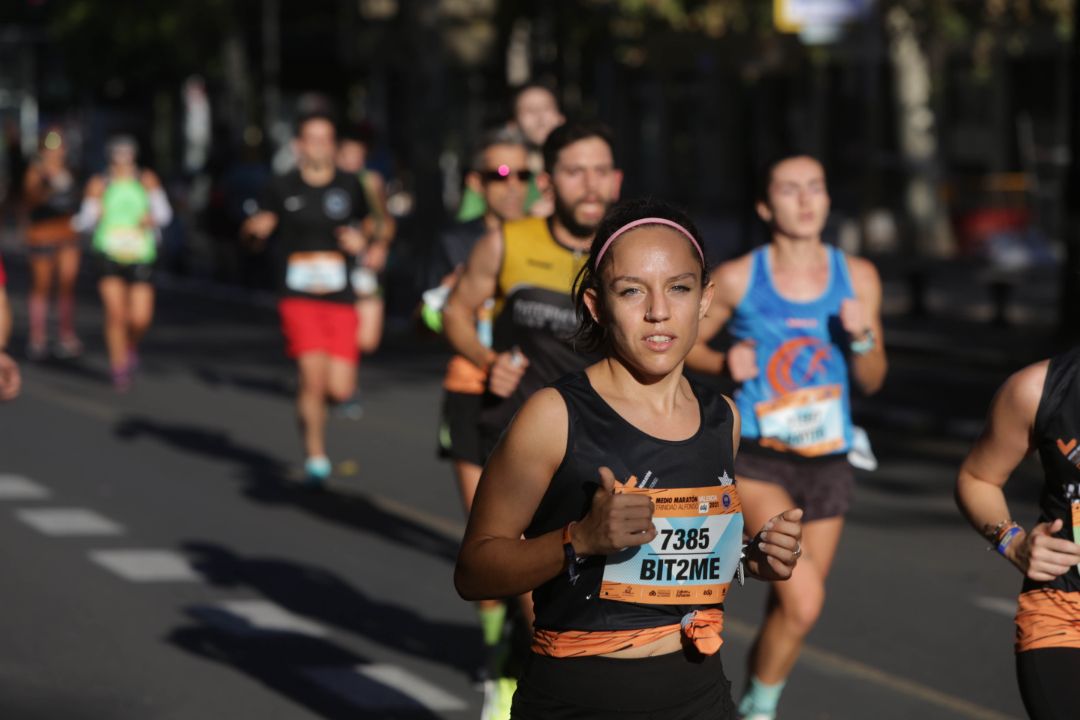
[565, 216]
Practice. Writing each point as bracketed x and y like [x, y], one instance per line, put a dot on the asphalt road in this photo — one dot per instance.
[159, 561]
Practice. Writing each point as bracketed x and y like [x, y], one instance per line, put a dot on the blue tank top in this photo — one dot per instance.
[800, 400]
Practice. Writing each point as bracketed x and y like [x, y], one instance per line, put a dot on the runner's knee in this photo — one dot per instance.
[802, 610]
[339, 392]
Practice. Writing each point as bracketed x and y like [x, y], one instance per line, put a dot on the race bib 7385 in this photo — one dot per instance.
[694, 555]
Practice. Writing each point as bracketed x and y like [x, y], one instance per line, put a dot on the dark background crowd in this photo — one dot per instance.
[946, 127]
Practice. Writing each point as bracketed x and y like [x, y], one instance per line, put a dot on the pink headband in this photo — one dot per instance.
[648, 221]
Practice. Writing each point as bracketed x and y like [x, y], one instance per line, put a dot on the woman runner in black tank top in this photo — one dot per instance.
[1037, 409]
[612, 496]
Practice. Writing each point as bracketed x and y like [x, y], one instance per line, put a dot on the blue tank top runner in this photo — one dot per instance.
[800, 400]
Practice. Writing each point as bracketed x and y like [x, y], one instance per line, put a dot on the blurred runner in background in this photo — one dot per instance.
[528, 266]
[125, 209]
[380, 227]
[499, 174]
[10, 381]
[52, 198]
[806, 320]
[534, 111]
[317, 212]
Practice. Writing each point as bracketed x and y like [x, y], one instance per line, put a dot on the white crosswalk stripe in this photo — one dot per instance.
[146, 566]
[1002, 606]
[68, 521]
[378, 687]
[254, 617]
[17, 487]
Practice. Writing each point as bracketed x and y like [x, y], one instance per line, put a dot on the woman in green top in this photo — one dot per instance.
[124, 208]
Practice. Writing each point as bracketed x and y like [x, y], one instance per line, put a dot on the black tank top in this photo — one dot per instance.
[599, 436]
[62, 200]
[1057, 436]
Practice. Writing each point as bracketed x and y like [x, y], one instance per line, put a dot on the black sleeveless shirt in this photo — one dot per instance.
[598, 436]
[1057, 436]
[62, 200]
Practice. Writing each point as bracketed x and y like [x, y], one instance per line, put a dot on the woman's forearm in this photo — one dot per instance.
[983, 503]
[491, 568]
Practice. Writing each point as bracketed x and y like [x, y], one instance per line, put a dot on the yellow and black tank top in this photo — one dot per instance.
[534, 311]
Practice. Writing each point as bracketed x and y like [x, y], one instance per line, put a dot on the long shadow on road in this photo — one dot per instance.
[296, 666]
[196, 440]
[266, 482]
[358, 513]
[320, 595]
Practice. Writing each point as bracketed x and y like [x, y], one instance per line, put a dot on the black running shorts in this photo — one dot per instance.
[822, 487]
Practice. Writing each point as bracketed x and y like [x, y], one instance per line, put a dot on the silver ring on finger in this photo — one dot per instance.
[798, 551]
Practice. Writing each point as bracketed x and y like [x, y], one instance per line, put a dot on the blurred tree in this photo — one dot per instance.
[923, 35]
[133, 45]
[1070, 277]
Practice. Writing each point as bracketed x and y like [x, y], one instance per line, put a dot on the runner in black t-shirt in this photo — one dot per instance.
[316, 212]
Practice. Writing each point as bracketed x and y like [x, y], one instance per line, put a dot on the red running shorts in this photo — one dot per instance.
[319, 326]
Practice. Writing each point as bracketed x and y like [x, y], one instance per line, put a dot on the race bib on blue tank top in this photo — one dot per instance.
[799, 400]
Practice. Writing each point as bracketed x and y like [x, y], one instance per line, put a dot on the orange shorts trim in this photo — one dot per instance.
[319, 326]
[1047, 618]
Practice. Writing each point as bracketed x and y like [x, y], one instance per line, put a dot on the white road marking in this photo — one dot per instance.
[1003, 606]
[68, 522]
[81, 405]
[817, 658]
[256, 617]
[383, 687]
[17, 487]
[146, 565]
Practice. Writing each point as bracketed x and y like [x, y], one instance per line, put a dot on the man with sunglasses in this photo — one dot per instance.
[529, 267]
[534, 112]
[500, 177]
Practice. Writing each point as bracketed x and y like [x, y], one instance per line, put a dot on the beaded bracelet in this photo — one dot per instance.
[1004, 537]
